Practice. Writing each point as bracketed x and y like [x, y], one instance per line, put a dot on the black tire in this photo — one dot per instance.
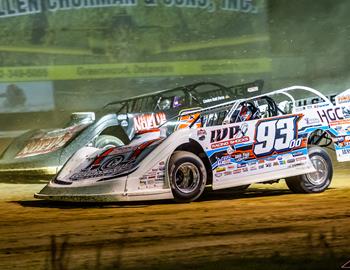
[107, 141]
[314, 182]
[180, 164]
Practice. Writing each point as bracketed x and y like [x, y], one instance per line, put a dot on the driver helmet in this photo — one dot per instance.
[165, 104]
[245, 114]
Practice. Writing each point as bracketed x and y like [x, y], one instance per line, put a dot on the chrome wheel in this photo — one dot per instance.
[321, 174]
[187, 177]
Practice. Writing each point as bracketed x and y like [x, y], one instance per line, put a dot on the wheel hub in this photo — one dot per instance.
[187, 177]
[320, 176]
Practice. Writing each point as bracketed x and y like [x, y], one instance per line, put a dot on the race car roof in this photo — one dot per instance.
[239, 91]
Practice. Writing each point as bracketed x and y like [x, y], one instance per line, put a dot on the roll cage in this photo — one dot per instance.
[228, 108]
[192, 94]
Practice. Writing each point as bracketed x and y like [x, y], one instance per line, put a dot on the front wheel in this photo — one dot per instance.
[107, 141]
[187, 175]
[317, 181]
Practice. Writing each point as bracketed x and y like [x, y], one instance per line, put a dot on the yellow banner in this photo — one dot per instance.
[132, 70]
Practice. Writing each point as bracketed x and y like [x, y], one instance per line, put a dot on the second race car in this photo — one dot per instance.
[39, 154]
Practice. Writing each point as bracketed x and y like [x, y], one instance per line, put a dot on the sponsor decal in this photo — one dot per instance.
[346, 112]
[85, 174]
[149, 121]
[121, 117]
[298, 153]
[201, 134]
[253, 168]
[224, 160]
[252, 162]
[276, 163]
[241, 165]
[253, 89]
[228, 173]
[301, 158]
[231, 167]
[237, 171]
[268, 165]
[292, 160]
[188, 119]
[218, 174]
[330, 115]
[124, 123]
[343, 99]
[230, 142]
[312, 121]
[262, 166]
[220, 169]
[276, 135]
[345, 151]
[228, 133]
[48, 142]
[241, 156]
[218, 98]
[282, 162]
[244, 169]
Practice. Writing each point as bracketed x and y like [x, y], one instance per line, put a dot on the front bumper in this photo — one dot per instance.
[106, 191]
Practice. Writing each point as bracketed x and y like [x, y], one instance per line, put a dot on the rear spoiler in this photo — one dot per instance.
[248, 89]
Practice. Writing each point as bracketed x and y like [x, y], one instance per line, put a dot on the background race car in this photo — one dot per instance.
[38, 154]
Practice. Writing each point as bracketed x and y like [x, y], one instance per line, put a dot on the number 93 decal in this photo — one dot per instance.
[276, 135]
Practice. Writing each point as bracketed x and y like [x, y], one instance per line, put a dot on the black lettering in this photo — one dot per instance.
[233, 131]
[218, 135]
[331, 114]
[314, 101]
[332, 98]
[179, 2]
[323, 116]
[336, 110]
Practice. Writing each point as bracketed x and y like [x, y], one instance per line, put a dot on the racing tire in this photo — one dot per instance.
[315, 182]
[107, 141]
[187, 176]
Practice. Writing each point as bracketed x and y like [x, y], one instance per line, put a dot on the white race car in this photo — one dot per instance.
[234, 144]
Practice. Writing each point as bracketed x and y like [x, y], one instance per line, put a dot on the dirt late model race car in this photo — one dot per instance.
[38, 154]
[259, 139]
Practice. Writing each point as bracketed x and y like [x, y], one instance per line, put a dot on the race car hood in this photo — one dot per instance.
[92, 164]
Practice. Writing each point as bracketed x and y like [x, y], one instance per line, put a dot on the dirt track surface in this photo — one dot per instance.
[263, 222]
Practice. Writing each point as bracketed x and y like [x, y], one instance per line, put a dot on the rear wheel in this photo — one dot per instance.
[187, 175]
[317, 181]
